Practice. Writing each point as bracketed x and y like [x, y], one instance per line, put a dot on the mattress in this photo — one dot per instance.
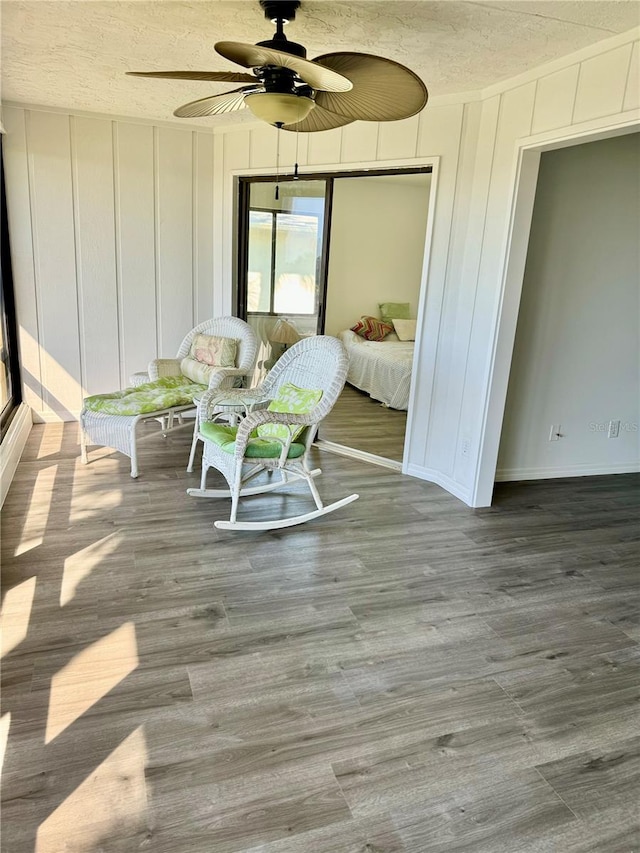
[381, 368]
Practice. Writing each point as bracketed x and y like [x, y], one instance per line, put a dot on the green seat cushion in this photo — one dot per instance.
[164, 393]
[257, 448]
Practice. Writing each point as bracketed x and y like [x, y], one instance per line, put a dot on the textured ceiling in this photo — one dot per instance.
[74, 54]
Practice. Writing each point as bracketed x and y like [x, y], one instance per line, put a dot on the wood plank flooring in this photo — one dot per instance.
[407, 674]
[362, 423]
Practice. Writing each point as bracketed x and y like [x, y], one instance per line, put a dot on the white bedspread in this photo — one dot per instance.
[382, 369]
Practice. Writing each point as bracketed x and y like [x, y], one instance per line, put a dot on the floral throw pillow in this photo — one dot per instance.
[290, 400]
[372, 329]
[214, 351]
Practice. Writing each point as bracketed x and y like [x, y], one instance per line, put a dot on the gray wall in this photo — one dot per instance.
[576, 357]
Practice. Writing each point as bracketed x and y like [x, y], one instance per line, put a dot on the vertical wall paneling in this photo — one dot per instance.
[14, 148]
[135, 241]
[203, 225]
[457, 310]
[237, 153]
[632, 94]
[437, 126]
[555, 100]
[602, 83]
[515, 121]
[219, 286]
[324, 147]
[444, 135]
[174, 210]
[263, 152]
[398, 139]
[360, 141]
[93, 185]
[53, 227]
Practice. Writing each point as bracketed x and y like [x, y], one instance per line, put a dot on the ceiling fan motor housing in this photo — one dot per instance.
[284, 10]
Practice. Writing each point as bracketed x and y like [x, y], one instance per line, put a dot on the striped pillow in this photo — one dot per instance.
[372, 329]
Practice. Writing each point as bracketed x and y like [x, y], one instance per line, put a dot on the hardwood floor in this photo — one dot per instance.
[362, 423]
[404, 675]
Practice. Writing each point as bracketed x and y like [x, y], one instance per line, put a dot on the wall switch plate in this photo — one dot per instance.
[554, 432]
[614, 429]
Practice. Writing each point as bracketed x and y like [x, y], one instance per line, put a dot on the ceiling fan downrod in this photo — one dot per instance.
[281, 12]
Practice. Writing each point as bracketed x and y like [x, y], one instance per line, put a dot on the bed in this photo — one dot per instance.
[381, 368]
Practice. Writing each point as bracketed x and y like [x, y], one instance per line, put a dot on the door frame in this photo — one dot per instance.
[527, 164]
[363, 169]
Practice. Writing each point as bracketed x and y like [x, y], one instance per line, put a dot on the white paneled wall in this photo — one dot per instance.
[123, 238]
[112, 237]
[527, 119]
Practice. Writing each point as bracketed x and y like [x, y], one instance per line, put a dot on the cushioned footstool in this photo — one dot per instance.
[110, 420]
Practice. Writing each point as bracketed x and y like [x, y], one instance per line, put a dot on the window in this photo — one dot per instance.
[10, 389]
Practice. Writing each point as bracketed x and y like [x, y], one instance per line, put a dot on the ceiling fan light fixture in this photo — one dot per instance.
[279, 108]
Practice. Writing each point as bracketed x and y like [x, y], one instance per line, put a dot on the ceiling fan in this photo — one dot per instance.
[293, 93]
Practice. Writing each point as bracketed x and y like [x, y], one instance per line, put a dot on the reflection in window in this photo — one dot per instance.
[283, 256]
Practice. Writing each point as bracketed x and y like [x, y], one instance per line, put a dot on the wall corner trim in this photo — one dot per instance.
[12, 447]
[439, 479]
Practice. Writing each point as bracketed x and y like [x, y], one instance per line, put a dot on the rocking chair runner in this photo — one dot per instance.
[166, 393]
[316, 367]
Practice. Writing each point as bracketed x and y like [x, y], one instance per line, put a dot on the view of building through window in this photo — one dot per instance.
[283, 251]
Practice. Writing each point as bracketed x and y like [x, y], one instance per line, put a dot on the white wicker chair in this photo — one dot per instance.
[119, 431]
[320, 363]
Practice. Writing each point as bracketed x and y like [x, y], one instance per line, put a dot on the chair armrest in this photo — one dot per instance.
[220, 378]
[138, 379]
[160, 367]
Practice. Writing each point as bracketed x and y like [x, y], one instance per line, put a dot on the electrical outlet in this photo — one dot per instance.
[554, 432]
[614, 429]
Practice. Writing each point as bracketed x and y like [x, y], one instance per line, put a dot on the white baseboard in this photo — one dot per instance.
[12, 447]
[513, 474]
[48, 416]
[440, 479]
[362, 455]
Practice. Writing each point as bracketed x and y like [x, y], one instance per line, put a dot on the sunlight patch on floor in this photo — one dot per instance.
[5, 725]
[39, 508]
[110, 802]
[51, 443]
[79, 566]
[89, 676]
[15, 615]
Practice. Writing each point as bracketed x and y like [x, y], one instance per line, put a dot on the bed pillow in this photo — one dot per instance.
[389, 310]
[294, 401]
[405, 329]
[372, 329]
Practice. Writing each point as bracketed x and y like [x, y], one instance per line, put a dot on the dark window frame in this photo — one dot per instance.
[242, 197]
[12, 355]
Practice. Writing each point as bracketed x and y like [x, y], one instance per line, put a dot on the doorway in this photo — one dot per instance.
[319, 253]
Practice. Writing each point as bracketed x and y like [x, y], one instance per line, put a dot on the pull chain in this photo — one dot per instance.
[278, 126]
[295, 169]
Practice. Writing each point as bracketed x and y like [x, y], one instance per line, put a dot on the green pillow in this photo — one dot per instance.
[290, 400]
[395, 311]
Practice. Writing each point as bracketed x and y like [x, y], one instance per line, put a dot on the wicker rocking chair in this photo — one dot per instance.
[117, 430]
[308, 379]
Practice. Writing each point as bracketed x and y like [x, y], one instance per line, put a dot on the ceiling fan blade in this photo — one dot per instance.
[319, 77]
[219, 76]
[383, 90]
[318, 119]
[214, 105]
